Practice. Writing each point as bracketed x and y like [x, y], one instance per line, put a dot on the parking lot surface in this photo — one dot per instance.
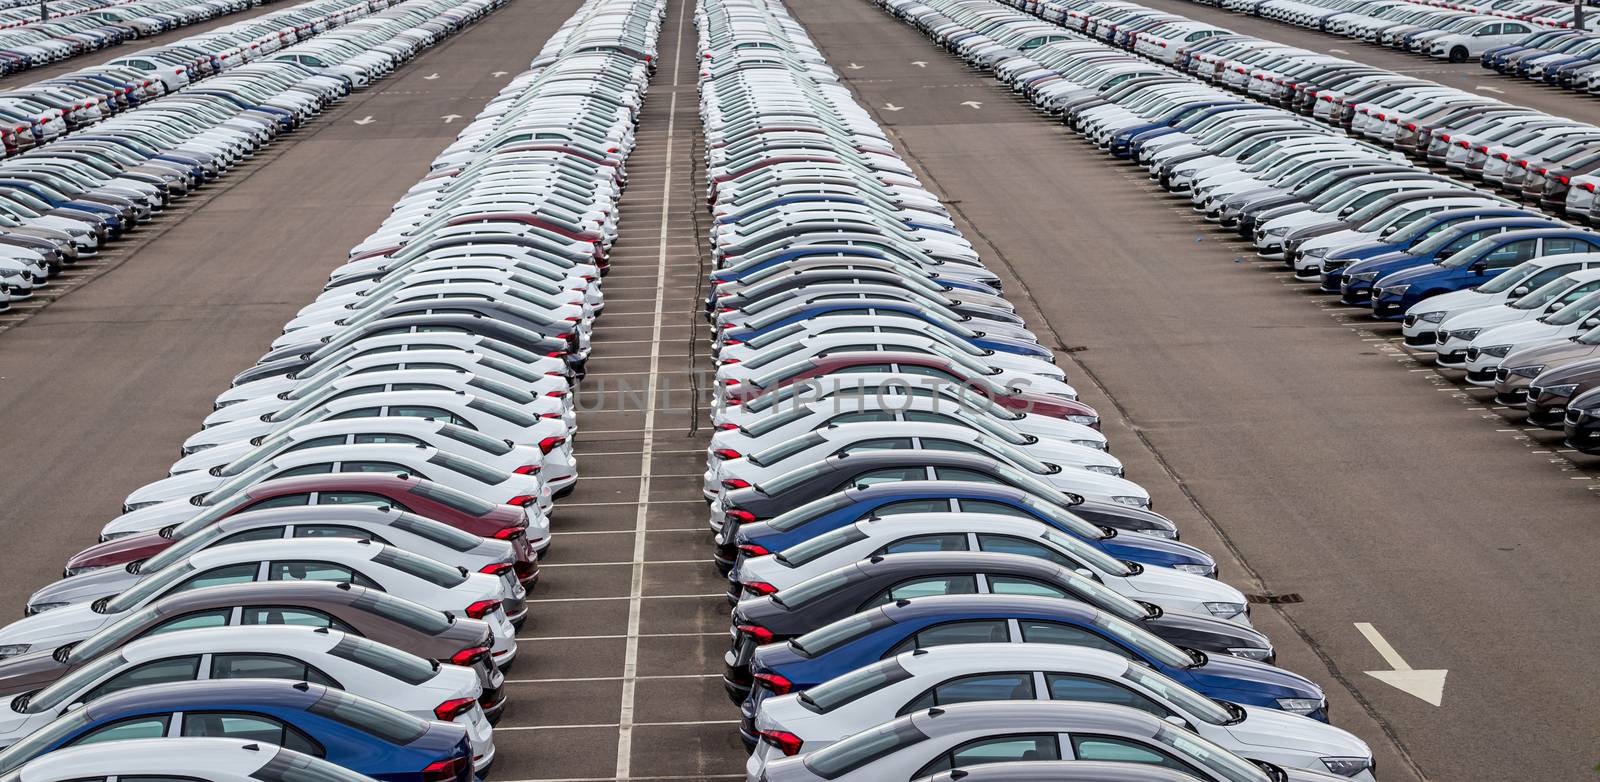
[1374, 508]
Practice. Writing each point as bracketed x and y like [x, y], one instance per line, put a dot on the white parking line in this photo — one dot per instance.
[617, 635]
[631, 779]
[568, 679]
[636, 599]
[544, 565]
[630, 657]
[626, 729]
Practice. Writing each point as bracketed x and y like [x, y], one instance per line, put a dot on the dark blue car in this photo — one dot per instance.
[347, 730]
[870, 636]
[1416, 232]
[861, 502]
[1354, 282]
[1394, 293]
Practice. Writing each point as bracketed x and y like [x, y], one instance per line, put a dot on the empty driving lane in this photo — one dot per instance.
[1464, 76]
[620, 668]
[98, 390]
[1271, 429]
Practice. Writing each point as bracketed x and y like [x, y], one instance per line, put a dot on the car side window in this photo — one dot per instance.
[955, 541]
[975, 631]
[995, 749]
[242, 573]
[378, 467]
[385, 439]
[308, 570]
[1007, 544]
[978, 687]
[862, 369]
[1073, 687]
[1565, 246]
[989, 506]
[305, 469]
[926, 586]
[292, 615]
[250, 535]
[266, 666]
[334, 531]
[929, 505]
[1511, 254]
[176, 669]
[961, 473]
[247, 727]
[918, 369]
[1015, 585]
[355, 498]
[282, 501]
[153, 727]
[360, 412]
[1037, 632]
[861, 416]
[1123, 751]
[941, 444]
[216, 617]
[879, 444]
[317, 442]
[888, 475]
[1539, 279]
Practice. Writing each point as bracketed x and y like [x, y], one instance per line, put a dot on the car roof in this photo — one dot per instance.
[205, 693]
[1056, 716]
[1062, 771]
[1008, 605]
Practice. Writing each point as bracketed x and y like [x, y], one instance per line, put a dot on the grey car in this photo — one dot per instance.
[368, 613]
[1061, 771]
[949, 738]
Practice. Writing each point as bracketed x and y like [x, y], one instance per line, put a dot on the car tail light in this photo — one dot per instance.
[1411, 126]
[523, 500]
[453, 708]
[728, 361]
[510, 533]
[739, 515]
[735, 483]
[1589, 186]
[1503, 156]
[786, 742]
[774, 682]
[482, 608]
[761, 634]
[469, 655]
[754, 550]
[495, 569]
[727, 427]
[527, 469]
[446, 770]
[549, 444]
[556, 354]
[1444, 138]
[758, 588]
[1565, 181]
[726, 453]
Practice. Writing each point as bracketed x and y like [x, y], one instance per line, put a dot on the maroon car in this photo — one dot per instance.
[917, 364]
[424, 498]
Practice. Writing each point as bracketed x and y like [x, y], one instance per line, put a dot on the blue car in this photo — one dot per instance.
[1122, 143]
[865, 638]
[801, 313]
[1394, 293]
[860, 502]
[347, 730]
[1354, 282]
[1407, 238]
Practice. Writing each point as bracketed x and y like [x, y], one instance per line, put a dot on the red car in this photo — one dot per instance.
[927, 365]
[424, 498]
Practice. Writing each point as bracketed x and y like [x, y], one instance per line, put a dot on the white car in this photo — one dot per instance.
[357, 665]
[796, 342]
[819, 444]
[474, 478]
[219, 760]
[1534, 276]
[1489, 346]
[1473, 40]
[913, 681]
[1456, 332]
[1171, 589]
[421, 580]
[549, 378]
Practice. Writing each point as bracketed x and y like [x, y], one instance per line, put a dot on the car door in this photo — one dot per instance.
[1085, 746]
[172, 669]
[1081, 687]
[238, 665]
[923, 586]
[316, 570]
[1000, 686]
[1016, 747]
[967, 631]
[246, 726]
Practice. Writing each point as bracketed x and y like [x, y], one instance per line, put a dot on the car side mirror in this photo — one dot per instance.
[1174, 719]
[74, 706]
[1479, 266]
[1591, 323]
[1558, 305]
[1519, 291]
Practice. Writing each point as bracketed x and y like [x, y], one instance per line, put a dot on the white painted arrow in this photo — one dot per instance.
[972, 103]
[1487, 88]
[449, 118]
[1425, 684]
[498, 74]
[920, 63]
[367, 120]
[891, 107]
[855, 67]
[431, 76]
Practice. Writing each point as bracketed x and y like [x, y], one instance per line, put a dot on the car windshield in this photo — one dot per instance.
[1462, 258]
[241, 481]
[1574, 312]
[821, 545]
[265, 450]
[186, 545]
[1088, 554]
[477, 471]
[793, 478]
[841, 690]
[150, 585]
[1141, 639]
[1510, 278]
[284, 767]
[1099, 595]
[435, 531]
[1222, 763]
[67, 686]
[817, 586]
[1562, 288]
[1072, 522]
[1193, 703]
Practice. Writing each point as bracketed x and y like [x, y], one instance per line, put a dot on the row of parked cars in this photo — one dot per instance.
[88, 172]
[1457, 32]
[77, 27]
[1562, 58]
[327, 585]
[935, 562]
[1491, 288]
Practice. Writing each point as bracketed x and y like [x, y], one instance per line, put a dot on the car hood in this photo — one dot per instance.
[54, 628]
[1185, 629]
[1487, 317]
[1515, 334]
[1585, 371]
[176, 488]
[84, 587]
[1154, 582]
[31, 671]
[1551, 355]
[231, 432]
[1222, 673]
[1455, 301]
[149, 518]
[1282, 730]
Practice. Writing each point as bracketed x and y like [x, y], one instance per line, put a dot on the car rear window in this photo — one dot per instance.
[429, 570]
[784, 450]
[802, 553]
[459, 500]
[832, 636]
[371, 717]
[442, 534]
[404, 612]
[839, 691]
[387, 660]
[285, 767]
[839, 759]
